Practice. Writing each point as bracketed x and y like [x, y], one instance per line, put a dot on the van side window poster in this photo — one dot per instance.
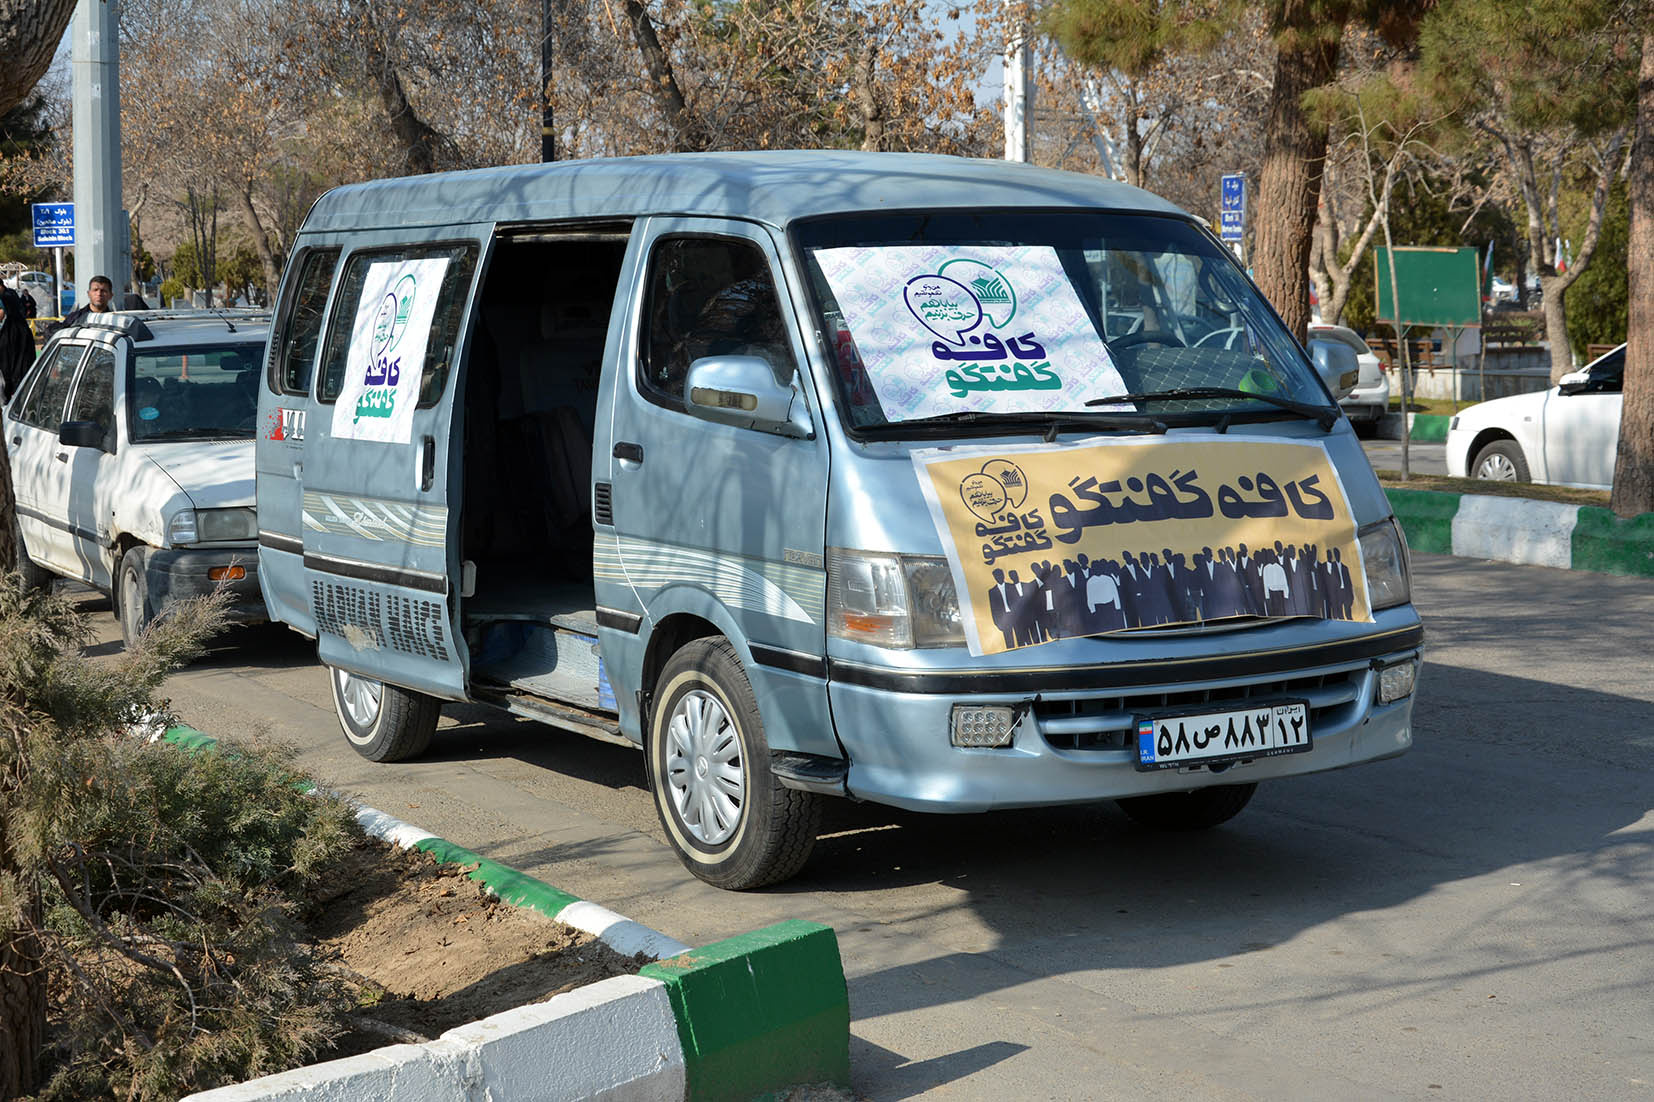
[387, 350]
[944, 328]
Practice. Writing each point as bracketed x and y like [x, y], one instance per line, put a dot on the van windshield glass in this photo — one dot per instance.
[195, 393]
[963, 318]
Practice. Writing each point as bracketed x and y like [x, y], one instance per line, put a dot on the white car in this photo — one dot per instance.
[1370, 399]
[1566, 435]
[131, 444]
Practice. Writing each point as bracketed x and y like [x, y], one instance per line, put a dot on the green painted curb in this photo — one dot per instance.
[507, 883]
[761, 1012]
[1609, 545]
[1426, 516]
[1429, 428]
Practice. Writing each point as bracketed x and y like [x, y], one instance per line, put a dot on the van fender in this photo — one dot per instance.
[792, 704]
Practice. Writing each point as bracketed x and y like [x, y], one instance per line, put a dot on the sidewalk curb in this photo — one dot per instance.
[747, 1016]
[1522, 530]
[1423, 428]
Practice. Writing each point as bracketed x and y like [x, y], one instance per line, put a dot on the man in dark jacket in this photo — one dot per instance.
[99, 291]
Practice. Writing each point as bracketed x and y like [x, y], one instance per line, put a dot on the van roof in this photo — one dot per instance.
[776, 187]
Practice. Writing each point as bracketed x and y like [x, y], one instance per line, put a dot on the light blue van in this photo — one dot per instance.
[945, 484]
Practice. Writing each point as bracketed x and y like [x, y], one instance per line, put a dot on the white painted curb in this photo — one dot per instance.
[618, 932]
[1513, 529]
[616, 1040]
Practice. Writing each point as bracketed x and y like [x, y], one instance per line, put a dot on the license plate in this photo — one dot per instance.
[1168, 740]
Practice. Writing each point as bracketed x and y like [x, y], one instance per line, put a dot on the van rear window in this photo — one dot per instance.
[359, 330]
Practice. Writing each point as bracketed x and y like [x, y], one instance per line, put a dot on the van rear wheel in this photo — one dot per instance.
[1201, 809]
[732, 823]
[383, 722]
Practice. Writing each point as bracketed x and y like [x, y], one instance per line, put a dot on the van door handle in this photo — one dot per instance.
[627, 450]
[62, 457]
[16, 440]
[426, 474]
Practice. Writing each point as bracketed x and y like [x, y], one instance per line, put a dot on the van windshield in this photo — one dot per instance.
[960, 322]
[195, 393]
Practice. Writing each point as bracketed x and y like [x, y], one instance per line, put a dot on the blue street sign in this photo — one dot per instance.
[1232, 208]
[54, 225]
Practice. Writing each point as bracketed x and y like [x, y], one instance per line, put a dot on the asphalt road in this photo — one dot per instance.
[1472, 920]
[1385, 455]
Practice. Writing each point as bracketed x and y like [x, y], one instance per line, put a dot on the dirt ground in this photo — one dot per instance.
[433, 950]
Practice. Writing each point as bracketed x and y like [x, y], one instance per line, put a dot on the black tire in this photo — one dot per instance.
[731, 822]
[383, 722]
[1500, 461]
[32, 576]
[131, 595]
[1201, 809]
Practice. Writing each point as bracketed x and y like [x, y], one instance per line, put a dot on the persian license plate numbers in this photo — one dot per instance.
[1265, 730]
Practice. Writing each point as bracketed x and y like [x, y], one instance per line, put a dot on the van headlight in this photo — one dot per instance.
[1384, 554]
[900, 601]
[212, 525]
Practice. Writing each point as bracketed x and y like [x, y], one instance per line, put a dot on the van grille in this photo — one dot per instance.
[1109, 722]
[368, 621]
[603, 503]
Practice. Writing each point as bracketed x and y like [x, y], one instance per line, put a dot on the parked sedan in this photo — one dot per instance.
[131, 444]
[1370, 399]
[1566, 435]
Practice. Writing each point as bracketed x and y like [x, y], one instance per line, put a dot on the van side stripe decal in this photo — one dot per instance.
[777, 589]
[376, 519]
[372, 572]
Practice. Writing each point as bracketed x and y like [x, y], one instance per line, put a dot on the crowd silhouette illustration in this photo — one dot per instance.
[1082, 596]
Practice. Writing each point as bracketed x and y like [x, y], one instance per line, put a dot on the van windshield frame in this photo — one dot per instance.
[964, 323]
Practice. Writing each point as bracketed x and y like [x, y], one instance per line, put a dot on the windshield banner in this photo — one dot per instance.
[387, 350]
[1053, 542]
[944, 329]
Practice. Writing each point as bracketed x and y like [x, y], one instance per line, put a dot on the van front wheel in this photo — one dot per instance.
[731, 822]
[382, 722]
[1201, 809]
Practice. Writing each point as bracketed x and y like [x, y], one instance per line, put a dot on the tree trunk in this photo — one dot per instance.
[1634, 465]
[261, 240]
[418, 139]
[30, 31]
[663, 83]
[867, 99]
[22, 981]
[1295, 150]
[1134, 141]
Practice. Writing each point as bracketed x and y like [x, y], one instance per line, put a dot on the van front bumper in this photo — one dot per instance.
[185, 573]
[1078, 745]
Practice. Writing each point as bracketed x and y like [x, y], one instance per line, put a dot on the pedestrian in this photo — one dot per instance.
[99, 291]
[16, 342]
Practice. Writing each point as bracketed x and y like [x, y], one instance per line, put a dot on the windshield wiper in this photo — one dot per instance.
[1322, 415]
[1053, 423]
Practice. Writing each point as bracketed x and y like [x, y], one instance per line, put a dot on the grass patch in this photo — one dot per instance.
[1444, 407]
[1391, 480]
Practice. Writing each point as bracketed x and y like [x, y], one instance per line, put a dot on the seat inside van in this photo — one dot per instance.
[530, 406]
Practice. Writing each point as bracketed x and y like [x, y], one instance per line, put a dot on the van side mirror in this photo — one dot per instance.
[83, 434]
[743, 391]
[1335, 362]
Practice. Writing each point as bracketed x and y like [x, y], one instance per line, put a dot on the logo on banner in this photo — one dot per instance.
[384, 371]
[969, 306]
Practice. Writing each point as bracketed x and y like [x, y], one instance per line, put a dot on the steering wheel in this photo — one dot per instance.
[1146, 336]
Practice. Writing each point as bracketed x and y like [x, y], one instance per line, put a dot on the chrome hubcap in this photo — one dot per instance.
[1497, 468]
[360, 696]
[704, 775]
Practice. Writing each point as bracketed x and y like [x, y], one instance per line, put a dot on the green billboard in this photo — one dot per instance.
[1438, 287]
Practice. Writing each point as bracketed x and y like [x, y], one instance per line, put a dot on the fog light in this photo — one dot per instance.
[227, 573]
[982, 725]
[1395, 682]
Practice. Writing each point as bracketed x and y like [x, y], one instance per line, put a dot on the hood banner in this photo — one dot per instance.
[1054, 542]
